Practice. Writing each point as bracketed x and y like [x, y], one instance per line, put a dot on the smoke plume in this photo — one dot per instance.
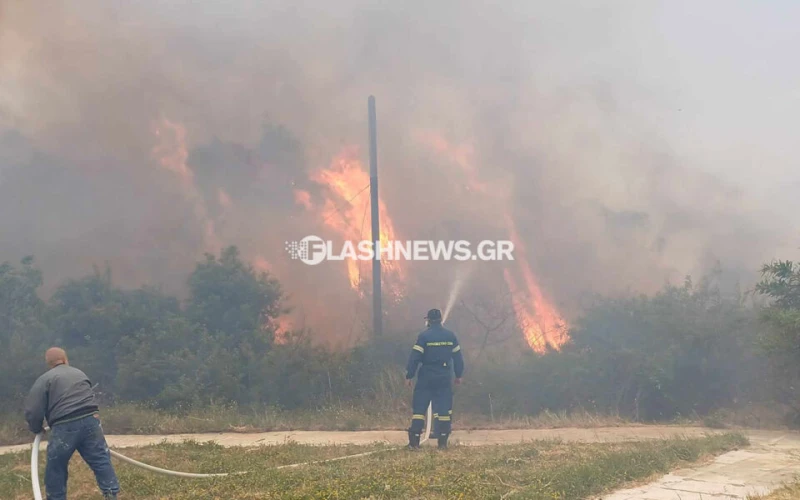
[144, 134]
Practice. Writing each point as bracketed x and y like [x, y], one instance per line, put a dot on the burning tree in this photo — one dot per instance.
[332, 201]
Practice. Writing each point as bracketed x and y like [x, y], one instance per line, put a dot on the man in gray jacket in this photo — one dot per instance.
[64, 397]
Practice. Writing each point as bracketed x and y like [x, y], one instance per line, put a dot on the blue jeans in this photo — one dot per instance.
[86, 436]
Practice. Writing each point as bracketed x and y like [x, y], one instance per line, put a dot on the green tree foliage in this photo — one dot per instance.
[781, 337]
[216, 350]
[687, 349]
[22, 328]
[161, 364]
[89, 318]
[233, 302]
[781, 281]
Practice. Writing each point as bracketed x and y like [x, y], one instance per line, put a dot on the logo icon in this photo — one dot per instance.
[310, 250]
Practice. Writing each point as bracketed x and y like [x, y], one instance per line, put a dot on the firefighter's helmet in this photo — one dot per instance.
[434, 316]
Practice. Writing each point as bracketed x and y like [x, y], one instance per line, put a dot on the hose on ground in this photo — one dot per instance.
[167, 472]
[37, 492]
[367, 453]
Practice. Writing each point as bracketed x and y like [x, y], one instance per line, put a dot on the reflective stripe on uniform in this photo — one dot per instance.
[418, 348]
[444, 419]
[417, 417]
[456, 348]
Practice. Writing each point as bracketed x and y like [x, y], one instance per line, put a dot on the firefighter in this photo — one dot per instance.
[438, 351]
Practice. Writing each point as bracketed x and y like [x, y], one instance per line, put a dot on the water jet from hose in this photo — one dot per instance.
[462, 275]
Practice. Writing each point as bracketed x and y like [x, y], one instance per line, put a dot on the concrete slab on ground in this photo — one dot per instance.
[772, 460]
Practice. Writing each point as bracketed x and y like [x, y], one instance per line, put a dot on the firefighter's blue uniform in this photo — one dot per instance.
[438, 351]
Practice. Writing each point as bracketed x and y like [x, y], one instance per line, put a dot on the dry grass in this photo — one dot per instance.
[544, 420]
[772, 416]
[537, 470]
[788, 492]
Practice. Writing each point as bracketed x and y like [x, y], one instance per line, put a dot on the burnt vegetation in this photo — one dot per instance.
[686, 351]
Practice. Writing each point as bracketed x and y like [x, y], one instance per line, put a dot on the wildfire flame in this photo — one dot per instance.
[224, 199]
[303, 198]
[283, 327]
[172, 153]
[346, 210]
[537, 318]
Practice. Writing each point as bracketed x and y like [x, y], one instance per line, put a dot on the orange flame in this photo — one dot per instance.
[171, 150]
[224, 199]
[283, 327]
[261, 264]
[346, 211]
[172, 153]
[537, 317]
[303, 198]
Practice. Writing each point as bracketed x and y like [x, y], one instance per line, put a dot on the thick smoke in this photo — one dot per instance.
[550, 107]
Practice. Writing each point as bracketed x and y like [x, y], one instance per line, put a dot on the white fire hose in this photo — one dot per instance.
[37, 492]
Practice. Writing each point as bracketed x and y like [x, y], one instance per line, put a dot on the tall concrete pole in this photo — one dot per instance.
[377, 307]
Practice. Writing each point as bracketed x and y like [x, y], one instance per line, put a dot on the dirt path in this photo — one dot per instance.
[772, 459]
[475, 437]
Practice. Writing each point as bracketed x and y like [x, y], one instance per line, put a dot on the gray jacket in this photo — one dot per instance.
[59, 394]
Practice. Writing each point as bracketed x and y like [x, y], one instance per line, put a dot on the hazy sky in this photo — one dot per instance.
[729, 92]
[714, 81]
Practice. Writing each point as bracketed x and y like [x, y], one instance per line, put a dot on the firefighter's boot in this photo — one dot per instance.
[443, 441]
[413, 440]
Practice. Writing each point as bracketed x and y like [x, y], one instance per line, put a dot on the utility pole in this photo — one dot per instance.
[377, 307]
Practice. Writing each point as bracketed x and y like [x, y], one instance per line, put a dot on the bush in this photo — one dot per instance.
[685, 351]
